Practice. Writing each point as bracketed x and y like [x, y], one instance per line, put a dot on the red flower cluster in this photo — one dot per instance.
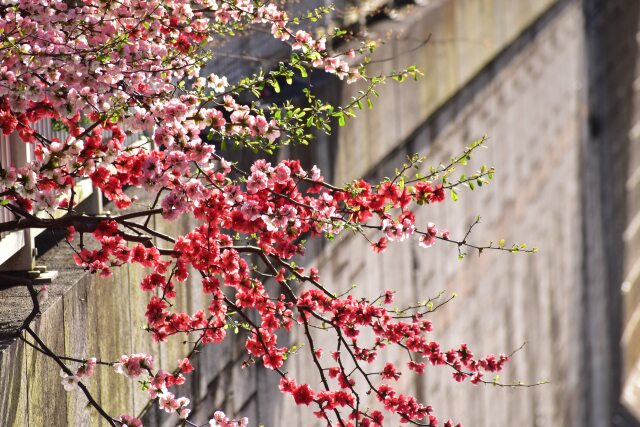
[277, 211]
[100, 71]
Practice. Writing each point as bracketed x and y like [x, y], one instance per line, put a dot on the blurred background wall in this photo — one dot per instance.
[554, 86]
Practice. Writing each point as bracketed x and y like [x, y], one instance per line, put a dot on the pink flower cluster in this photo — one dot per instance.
[168, 402]
[157, 385]
[108, 83]
[221, 420]
[130, 421]
[86, 370]
[134, 365]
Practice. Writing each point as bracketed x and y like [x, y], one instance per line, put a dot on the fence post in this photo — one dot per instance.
[24, 258]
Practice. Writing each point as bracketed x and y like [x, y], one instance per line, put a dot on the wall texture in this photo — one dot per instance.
[529, 100]
[554, 86]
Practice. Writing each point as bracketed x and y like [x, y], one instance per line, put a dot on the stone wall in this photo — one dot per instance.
[550, 83]
[464, 37]
[529, 101]
[88, 316]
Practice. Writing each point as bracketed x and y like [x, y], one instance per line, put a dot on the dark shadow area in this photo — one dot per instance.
[611, 57]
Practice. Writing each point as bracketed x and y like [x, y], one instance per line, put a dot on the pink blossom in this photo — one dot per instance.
[134, 365]
[428, 239]
[257, 181]
[281, 174]
[251, 210]
[130, 421]
[87, 369]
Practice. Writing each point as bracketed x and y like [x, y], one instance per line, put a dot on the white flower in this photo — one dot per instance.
[219, 84]
[46, 200]
[119, 368]
[200, 82]
[75, 146]
[69, 382]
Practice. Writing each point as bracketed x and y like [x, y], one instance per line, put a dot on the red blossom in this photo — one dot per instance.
[249, 227]
[303, 395]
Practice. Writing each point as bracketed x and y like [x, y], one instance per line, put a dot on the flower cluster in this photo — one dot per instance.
[101, 71]
[221, 420]
[134, 365]
[277, 206]
[70, 381]
[158, 385]
[130, 421]
[121, 86]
